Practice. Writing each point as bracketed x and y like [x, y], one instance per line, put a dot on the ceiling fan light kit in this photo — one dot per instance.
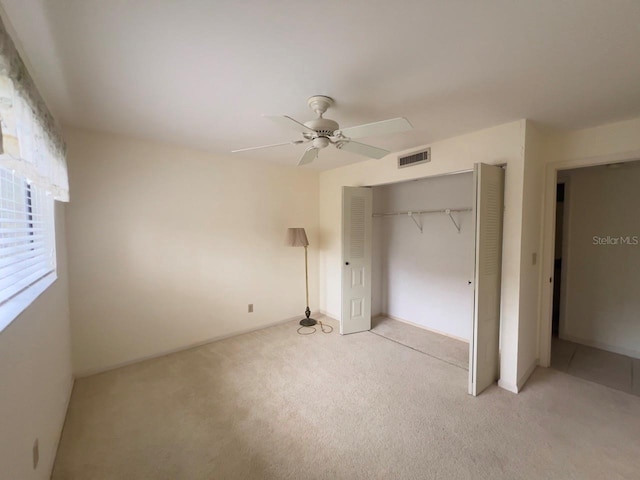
[322, 132]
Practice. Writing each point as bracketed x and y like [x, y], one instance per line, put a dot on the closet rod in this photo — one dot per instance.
[423, 212]
[411, 214]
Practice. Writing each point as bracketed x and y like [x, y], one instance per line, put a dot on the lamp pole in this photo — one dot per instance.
[307, 322]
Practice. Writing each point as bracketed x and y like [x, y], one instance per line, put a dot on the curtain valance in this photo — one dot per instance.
[31, 142]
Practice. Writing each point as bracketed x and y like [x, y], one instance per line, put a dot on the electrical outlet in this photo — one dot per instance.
[36, 454]
[250, 309]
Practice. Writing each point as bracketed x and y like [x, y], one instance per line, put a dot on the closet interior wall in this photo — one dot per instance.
[423, 278]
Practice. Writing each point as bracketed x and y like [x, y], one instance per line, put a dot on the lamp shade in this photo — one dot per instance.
[297, 237]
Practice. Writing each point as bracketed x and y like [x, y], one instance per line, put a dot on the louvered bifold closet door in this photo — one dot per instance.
[26, 247]
[484, 345]
[356, 259]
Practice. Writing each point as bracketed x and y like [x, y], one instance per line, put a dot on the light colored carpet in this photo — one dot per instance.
[606, 368]
[445, 348]
[275, 405]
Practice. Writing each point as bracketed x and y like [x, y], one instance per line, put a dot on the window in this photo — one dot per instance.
[27, 239]
[33, 173]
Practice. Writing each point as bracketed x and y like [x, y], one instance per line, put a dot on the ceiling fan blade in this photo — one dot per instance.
[289, 122]
[394, 125]
[295, 142]
[362, 149]
[309, 156]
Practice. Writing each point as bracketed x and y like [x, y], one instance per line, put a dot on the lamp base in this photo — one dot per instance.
[308, 322]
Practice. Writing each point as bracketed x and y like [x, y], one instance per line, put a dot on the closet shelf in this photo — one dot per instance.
[412, 214]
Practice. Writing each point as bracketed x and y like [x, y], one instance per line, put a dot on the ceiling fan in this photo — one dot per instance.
[322, 132]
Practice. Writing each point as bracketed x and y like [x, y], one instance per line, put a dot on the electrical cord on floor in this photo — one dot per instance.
[313, 330]
[324, 328]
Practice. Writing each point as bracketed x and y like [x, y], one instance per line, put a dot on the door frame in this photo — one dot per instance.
[549, 235]
[566, 261]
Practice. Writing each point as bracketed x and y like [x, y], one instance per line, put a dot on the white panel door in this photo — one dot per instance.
[356, 259]
[484, 360]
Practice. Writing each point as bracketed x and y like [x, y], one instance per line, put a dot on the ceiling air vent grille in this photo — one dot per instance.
[412, 159]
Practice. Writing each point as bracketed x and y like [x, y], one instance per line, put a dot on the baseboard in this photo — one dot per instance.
[508, 386]
[523, 379]
[329, 315]
[94, 371]
[433, 330]
[603, 346]
[517, 388]
[64, 420]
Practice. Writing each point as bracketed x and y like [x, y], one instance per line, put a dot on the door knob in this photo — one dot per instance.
[346, 263]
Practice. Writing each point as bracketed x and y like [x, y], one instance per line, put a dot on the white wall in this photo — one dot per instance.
[602, 281]
[503, 144]
[168, 246]
[35, 376]
[605, 140]
[424, 277]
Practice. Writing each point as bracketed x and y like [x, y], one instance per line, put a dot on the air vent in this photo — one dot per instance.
[412, 159]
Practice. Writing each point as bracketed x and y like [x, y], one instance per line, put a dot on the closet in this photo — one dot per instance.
[429, 252]
[423, 243]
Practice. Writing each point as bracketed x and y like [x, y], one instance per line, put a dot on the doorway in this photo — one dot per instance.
[594, 329]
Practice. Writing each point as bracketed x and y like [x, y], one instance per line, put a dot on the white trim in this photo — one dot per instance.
[398, 319]
[12, 308]
[508, 386]
[94, 371]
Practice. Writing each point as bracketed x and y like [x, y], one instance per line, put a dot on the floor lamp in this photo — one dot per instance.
[298, 238]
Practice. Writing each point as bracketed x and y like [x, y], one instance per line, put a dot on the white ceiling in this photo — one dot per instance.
[200, 73]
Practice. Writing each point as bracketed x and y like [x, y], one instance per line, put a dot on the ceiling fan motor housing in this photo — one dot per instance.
[324, 127]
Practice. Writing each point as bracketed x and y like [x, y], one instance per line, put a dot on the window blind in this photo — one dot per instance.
[26, 234]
